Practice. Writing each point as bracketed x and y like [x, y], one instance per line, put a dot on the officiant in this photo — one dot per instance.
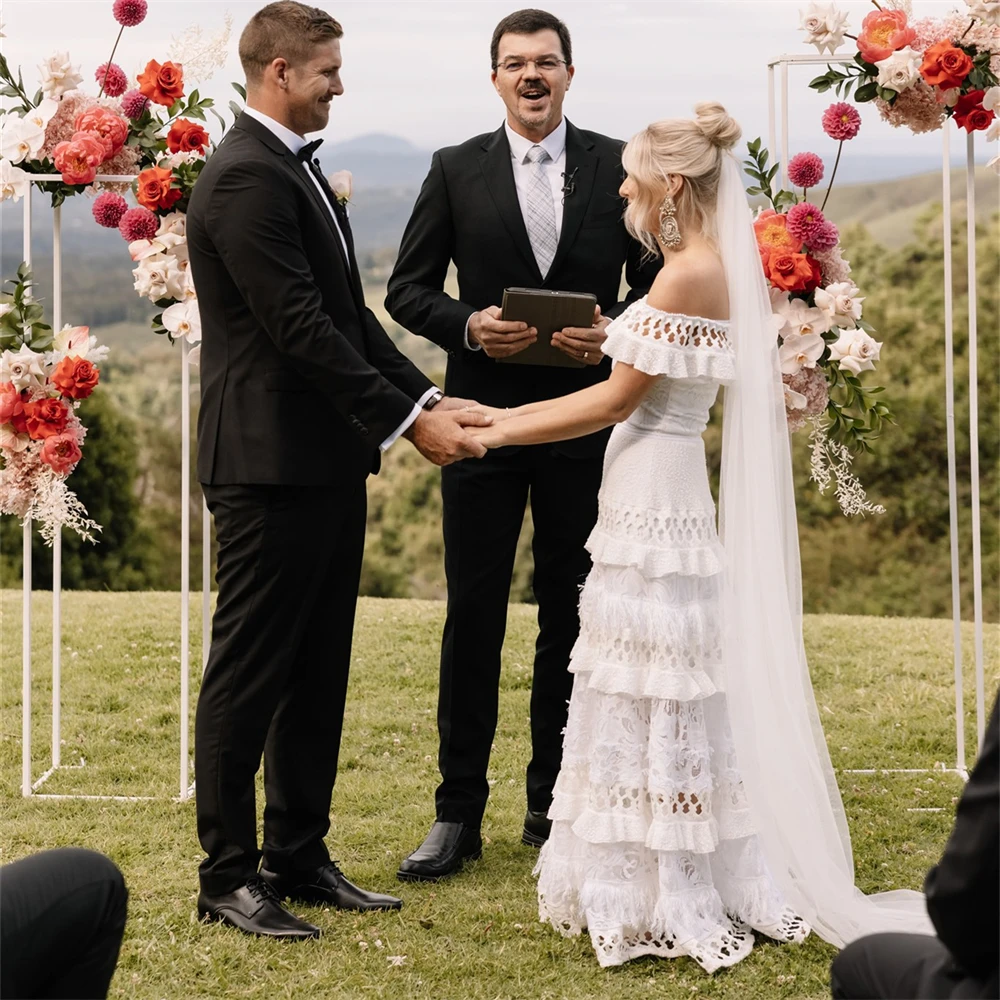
[534, 204]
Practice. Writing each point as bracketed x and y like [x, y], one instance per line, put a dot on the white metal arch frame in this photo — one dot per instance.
[781, 100]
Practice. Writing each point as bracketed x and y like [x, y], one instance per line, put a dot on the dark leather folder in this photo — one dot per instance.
[548, 311]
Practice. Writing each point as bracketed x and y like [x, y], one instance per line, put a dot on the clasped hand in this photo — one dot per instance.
[504, 338]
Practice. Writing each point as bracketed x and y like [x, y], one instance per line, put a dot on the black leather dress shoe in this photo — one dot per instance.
[255, 909]
[442, 853]
[327, 886]
[537, 827]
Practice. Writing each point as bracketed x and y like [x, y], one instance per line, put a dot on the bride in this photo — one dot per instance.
[696, 801]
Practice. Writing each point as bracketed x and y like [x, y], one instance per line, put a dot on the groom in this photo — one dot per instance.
[301, 389]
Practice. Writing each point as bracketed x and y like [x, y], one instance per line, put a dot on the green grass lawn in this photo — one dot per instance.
[886, 698]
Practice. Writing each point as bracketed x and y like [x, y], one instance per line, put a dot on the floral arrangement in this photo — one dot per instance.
[153, 131]
[824, 345]
[918, 73]
[43, 379]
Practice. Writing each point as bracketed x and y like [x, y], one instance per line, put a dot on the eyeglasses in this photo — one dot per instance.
[549, 64]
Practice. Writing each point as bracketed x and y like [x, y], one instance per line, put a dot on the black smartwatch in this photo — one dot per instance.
[433, 400]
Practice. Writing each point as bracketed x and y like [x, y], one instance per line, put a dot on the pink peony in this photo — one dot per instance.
[803, 221]
[138, 224]
[108, 210]
[61, 452]
[824, 237]
[129, 13]
[109, 129]
[841, 121]
[805, 170]
[77, 159]
[112, 78]
[134, 103]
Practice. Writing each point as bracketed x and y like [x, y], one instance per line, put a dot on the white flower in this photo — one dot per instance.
[341, 183]
[14, 181]
[178, 159]
[991, 100]
[58, 75]
[824, 26]
[11, 441]
[794, 400]
[840, 302]
[43, 113]
[73, 340]
[799, 351]
[159, 277]
[20, 138]
[856, 351]
[5, 307]
[993, 132]
[201, 57]
[175, 223]
[23, 368]
[168, 243]
[949, 98]
[182, 319]
[799, 317]
[194, 356]
[901, 70]
[985, 10]
[995, 163]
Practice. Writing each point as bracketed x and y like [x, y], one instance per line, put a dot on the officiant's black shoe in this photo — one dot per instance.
[444, 850]
[254, 908]
[537, 827]
[327, 886]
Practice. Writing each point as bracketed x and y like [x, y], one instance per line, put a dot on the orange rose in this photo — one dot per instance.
[945, 66]
[75, 378]
[882, 33]
[772, 233]
[46, 418]
[154, 190]
[162, 84]
[791, 272]
[186, 137]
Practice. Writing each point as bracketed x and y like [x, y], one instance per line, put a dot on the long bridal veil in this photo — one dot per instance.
[779, 741]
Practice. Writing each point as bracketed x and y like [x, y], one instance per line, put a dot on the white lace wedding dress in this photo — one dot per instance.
[652, 849]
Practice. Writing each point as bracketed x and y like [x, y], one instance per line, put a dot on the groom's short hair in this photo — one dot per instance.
[285, 29]
[527, 22]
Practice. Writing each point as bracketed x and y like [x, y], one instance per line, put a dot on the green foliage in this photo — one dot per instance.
[23, 324]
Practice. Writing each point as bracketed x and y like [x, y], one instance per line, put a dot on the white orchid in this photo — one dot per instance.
[23, 367]
[856, 351]
[175, 223]
[42, 115]
[824, 25]
[901, 70]
[794, 400]
[991, 100]
[20, 138]
[797, 316]
[168, 243]
[995, 164]
[58, 75]
[14, 181]
[800, 351]
[10, 440]
[183, 320]
[159, 276]
[986, 10]
[840, 303]
[72, 340]
[178, 159]
[993, 132]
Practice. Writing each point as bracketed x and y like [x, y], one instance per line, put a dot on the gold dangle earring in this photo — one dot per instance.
[669, 235]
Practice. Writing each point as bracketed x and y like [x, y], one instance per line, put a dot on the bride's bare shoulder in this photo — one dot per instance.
[692, 284]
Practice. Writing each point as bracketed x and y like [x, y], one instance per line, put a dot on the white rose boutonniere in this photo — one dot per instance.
[341, 183]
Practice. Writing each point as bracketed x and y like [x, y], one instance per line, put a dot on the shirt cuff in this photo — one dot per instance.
[411, 416]
[465, 338]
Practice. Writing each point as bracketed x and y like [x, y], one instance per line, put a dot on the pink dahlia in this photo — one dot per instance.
[138, 224]
[832, 265]
[803, 221]
[825, 236]
[108, 210]
[134, 103]
[841, 121]
[805, 170]
[129, 13]
[112, 78]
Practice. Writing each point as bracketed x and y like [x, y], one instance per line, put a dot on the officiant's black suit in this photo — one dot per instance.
[468, 212]
[299, 386]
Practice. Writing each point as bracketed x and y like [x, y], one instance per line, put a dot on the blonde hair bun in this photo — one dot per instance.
[716, 124]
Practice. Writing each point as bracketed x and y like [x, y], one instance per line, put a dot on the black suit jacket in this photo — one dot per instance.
[468, 212]
[299, 382]
[963, 889]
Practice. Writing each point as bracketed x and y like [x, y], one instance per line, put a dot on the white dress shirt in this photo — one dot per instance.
[295, 142]
[555, 145]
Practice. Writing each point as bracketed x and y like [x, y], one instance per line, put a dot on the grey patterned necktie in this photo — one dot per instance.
[541, 221]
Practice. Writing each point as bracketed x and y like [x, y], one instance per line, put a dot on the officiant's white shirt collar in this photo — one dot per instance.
[554, 143]
[291, 139]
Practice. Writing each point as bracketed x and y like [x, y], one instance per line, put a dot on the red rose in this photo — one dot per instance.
[61, 452]
[970, 113]
[154, 190]
[46, 418]
[162, 84]
[945, 66]
[11, 404]
[75, 378]
[186, 137]
[791, 272]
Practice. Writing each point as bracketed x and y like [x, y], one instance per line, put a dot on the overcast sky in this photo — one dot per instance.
[421, 69]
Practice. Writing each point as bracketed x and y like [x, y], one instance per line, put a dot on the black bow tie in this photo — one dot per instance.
[306, 152]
